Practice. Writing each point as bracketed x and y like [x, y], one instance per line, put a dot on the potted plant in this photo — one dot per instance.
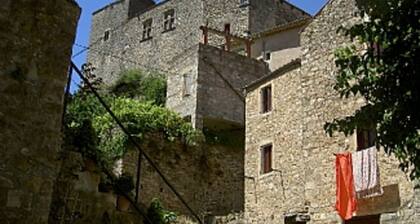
[123, 186]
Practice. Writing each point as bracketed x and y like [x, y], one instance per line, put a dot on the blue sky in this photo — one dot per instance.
[89, 6]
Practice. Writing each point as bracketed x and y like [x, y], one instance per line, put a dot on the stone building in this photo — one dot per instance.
[289, 159]
[165, 37]
[206, 74]
[35, 45]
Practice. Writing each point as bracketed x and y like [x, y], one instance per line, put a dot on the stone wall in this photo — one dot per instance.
[77, 199]
[269, 196]
[221, 77]
[322, 104]
[209, 177]
[126, 50]
[303, 179]
[35, 46]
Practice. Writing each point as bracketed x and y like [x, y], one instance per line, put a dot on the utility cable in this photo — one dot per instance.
[134, 142]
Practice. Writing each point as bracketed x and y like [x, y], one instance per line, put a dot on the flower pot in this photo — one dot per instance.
[123, 204]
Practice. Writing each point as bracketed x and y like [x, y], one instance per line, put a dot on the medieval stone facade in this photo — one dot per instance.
[145, 41]
[35, 45]
[300, 187]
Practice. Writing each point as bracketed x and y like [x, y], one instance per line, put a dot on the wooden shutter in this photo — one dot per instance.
[266, 158]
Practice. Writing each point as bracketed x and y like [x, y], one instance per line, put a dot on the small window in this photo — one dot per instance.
[169, 20]
[147, 29]
[187, 85]
[266, 158]
[267, 56]
[227, 28]
[106, 35]
[243, 2]
[365, 139]
[266, 104]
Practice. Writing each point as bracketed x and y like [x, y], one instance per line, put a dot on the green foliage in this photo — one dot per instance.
[387, 79]
[158, 215]
[124, 184]
[230, 138]
[92, 131]
[139, 118]
[145, 86]
[79, 133]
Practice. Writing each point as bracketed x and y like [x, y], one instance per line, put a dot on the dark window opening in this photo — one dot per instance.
[373, 219]
[227, 28]
[266, 102]
[147, 29]
[267, 56]
[106, 35]
[169, 20]
[266, 159]
[366, 138]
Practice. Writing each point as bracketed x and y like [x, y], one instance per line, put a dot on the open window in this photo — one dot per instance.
[366, 138]
[147, 29]
[266, 158]
[266, 99]
[267, 56]
[169, 20]
[107, 34]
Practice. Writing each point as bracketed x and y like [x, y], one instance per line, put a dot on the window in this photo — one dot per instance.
[187, 85]
[147, 29]
[227, 28]
[267, 56]
[107, 34]
[266, 159]
[266, 99]
[243, 2]
[169, 20]
[366, 138]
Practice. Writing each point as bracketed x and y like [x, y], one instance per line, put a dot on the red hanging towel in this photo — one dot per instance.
[346, 201]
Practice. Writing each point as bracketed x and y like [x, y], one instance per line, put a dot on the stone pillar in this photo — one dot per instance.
[35, 48]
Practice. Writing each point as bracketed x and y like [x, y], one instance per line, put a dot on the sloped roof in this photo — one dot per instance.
[282, 27]
[294, 64]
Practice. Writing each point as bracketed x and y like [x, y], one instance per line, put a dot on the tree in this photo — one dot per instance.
[386, 75]
[147, 86]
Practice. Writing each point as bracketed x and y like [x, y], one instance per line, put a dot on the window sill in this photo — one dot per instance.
[266, 114]
[266, 175]
[168, 30]
[146, 39]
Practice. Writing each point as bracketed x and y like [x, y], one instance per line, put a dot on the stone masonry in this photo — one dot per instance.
[303, 178]
[125, 48]
[214, 90]
[209, 177]
[35, 45]
[166, 50]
